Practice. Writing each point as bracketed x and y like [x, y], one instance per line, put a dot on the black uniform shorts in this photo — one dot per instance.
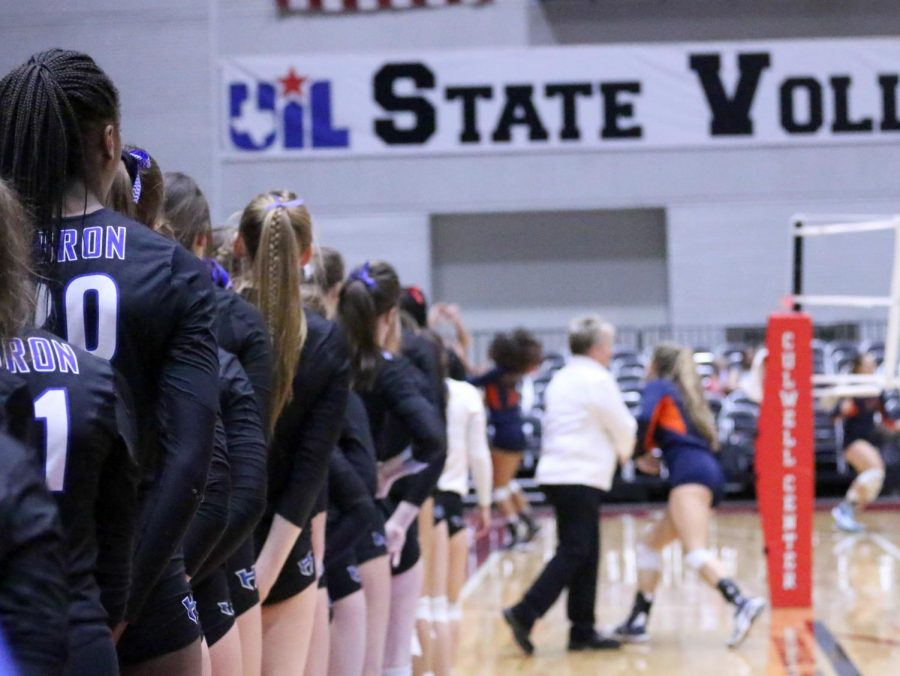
[168, 622]
[299, 570]
[214, 606]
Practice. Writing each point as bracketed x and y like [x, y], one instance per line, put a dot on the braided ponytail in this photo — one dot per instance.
[277, 233]
[677, 363]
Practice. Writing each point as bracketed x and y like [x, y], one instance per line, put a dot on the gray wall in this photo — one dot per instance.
[727, 211]
[541, 268]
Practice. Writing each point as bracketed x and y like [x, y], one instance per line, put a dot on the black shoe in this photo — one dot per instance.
[519, 630]
[595, 641]
[531, 528]
[515, 538]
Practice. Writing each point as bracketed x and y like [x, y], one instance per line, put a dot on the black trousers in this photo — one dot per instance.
[574, 566]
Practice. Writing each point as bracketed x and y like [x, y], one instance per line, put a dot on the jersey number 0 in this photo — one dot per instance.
[92, 311]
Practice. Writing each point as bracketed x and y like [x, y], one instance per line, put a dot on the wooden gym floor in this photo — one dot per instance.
[855, 626]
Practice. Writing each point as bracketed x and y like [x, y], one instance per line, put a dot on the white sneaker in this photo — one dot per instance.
[845, 520]
[744, 617]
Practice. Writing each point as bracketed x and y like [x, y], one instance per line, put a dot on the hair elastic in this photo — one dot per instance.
[139, 160]
[287, 205]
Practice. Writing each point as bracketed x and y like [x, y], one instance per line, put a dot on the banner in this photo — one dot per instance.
[621, 97]
[785, 465]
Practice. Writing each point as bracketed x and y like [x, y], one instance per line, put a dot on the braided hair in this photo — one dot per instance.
[47, 107]
[277, 231]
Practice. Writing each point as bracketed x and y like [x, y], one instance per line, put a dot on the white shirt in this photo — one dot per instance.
[587, 427]
[467, 447]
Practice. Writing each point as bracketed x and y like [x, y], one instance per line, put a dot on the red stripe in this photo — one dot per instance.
[283, 4]
[385, 4]
[350, 5]
[418, 3]
[314, 5]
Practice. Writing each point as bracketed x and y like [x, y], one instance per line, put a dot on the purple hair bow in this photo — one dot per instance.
[363, 275]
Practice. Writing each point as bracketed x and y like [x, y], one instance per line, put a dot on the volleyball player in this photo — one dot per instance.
[514, 355]
[310, 385]
[675, 418]
[34, 596]
[125, 294]
[398, 414]
[241, 331]
[862, 441]
[467, 451]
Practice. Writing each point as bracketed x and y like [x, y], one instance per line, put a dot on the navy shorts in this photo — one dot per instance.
[214, 606]
[372, 544]
[509, 436]
[448, 507]
[299, 570]
[240, 572]
[169, 621]
[696, 466]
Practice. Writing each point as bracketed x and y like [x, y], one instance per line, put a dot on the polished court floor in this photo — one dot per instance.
[854, 628]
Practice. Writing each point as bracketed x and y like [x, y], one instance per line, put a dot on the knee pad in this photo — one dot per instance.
[423, 609]
[454, 612]
[697, 558]
[869, 483]
[514, 487]
[439, 609]
[647, 558]
[502, 493]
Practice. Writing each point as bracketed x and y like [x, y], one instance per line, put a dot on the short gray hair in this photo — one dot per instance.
[585, 331]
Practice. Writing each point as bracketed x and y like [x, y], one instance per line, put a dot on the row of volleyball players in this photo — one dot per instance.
[189, 433]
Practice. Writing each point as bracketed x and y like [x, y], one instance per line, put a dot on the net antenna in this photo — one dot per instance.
[849, 384]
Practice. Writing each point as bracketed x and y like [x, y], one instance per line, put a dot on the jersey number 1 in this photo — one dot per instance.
[105, 318]
[53, 408]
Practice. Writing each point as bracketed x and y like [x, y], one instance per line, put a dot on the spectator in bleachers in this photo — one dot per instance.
[751, 384]
[862, 441]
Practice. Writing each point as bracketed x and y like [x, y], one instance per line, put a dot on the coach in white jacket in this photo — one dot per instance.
[587, 432]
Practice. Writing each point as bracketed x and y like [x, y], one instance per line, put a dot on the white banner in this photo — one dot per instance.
[622, 97]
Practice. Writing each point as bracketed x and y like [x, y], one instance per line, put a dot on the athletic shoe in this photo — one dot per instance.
[845, 519]
[515, 537]
[744, 617]
[633, 630]
[595, 641]
[520, 631]
[531, 528]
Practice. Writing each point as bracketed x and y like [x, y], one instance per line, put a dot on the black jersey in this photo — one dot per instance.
[16, 409]
[241, 330]
[400, 415]
[425, 356]
[351, 508]
[356, 443]
[88, 467]
[310, 425]
[247, 453]
[127, 294]
[33, 593]
[211, 518]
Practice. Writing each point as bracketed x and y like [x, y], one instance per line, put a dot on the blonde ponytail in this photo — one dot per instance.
[277, 231]
[677, 363]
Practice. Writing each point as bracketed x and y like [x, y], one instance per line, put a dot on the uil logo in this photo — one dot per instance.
[247, 578]
[353, 572]
[307, 565]
[190, 605]
[291, 113]
[226, 608]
